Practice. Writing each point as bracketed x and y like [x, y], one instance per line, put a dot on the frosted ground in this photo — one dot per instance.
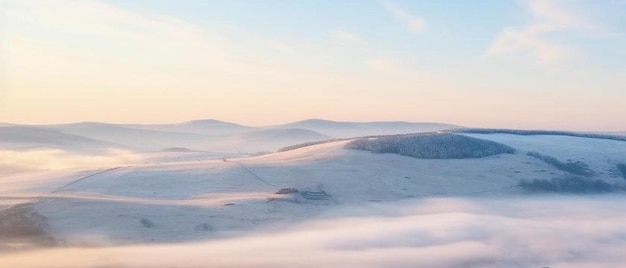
[108, 202]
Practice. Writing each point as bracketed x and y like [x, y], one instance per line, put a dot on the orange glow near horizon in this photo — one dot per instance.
[91, 61]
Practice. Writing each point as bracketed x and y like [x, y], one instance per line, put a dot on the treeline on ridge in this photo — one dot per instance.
[537, 132]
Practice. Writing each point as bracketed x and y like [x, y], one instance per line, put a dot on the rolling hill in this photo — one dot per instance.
[32, 138]
[189, 201]
[209, 135]
[142, 138]
[205, 127]
[208, 206]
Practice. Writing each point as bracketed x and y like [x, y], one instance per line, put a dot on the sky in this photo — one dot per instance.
[532, 64]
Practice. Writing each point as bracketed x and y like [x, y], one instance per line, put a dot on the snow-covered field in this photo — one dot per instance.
[351, 209]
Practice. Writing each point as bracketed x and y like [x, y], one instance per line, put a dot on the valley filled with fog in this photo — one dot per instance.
[310, 193]
[384, 133]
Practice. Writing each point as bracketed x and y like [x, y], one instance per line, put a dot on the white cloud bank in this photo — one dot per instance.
[513, 232]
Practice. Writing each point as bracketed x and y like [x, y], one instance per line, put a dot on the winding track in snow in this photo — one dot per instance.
[45, 199]
[84, 178]
[254, 174]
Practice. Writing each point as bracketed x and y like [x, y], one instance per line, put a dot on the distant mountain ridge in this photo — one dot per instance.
[204, 126]
[211, 134]
[337, 129]
[36, 137]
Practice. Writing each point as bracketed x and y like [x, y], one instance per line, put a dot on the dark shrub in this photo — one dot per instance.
[538, 185]
[576, 168]
[622, 169]
[288, 190]
[567, 184]
[146, 223]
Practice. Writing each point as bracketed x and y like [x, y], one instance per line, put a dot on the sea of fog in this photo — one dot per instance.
[524, 231]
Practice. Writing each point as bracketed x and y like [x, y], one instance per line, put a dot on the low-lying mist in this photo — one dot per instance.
[526, 231]
[55, 159]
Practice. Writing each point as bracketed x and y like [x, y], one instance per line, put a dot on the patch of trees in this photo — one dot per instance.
[573, 167]
[568, 184]
[538, 132]
[431, 146]
[622, 169]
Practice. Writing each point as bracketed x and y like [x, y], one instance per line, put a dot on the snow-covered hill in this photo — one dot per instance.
[199, 135]
[179, 196]
[188, 201]
[142, 138]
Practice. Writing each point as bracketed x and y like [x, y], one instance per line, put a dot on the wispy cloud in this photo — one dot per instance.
[346, 37]
[412, 22]
[549, 18]
[66, 48]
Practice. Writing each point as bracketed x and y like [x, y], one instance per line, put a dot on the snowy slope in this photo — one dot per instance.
[394, 210]
[600, 154]
[107, 208]
[216, 198]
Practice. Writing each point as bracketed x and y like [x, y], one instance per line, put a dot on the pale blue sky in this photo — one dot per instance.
[551, 64]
